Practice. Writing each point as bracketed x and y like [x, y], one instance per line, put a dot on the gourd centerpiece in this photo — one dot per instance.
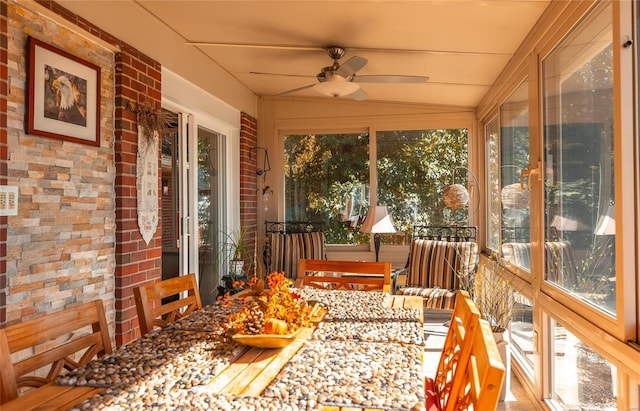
[271, 316]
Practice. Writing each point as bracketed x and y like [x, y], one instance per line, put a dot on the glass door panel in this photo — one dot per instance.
[170, 194]
[210, 169]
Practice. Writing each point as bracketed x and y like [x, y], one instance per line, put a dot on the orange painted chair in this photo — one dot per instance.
[455, 355]
[470, 372]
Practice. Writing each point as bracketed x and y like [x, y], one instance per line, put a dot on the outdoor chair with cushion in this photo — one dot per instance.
[440, 260]
[287, 242]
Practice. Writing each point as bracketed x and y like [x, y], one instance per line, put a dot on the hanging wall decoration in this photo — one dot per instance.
[149, 124]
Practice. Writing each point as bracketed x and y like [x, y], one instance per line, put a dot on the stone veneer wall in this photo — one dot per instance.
[76, 236]
[60, 246]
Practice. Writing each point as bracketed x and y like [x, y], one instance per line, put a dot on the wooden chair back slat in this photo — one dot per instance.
[443, 388]
[42, 331]
[152, 313]
[341, 281]
[484, 374]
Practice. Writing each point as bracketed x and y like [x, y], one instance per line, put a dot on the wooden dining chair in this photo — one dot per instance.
[52, 342]
[484, 374]
[153, 313]
[349, 275]
[442, 391]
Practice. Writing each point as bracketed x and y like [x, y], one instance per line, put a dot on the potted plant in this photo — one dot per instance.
[235, 259]
[494, 295]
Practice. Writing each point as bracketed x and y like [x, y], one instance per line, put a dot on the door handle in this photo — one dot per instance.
[529, 173]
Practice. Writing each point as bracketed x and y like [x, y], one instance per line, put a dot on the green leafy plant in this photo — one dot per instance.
[234, 246]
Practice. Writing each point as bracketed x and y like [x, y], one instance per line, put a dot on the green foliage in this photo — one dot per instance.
[235, 246]
[327, 179]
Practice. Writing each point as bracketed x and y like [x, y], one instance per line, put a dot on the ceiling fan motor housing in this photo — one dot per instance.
[335, 52]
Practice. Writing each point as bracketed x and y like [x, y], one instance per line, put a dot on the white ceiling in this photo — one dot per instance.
[461, 45]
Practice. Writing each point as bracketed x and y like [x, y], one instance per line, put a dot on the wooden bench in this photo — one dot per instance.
[42, 336]
[349, 275]
[151, 311]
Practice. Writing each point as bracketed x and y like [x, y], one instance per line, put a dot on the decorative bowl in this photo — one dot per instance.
[266, 340]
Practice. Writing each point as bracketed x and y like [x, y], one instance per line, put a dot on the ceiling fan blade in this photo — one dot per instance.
[281, 74]
[390, 79]
[359, 95]
[350, 66]
[295, 90]
[255, 46]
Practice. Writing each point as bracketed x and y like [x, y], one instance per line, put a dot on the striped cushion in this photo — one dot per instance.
[284, 251]
[560, 267]
[440, 264]
[517, 254]
[433, 297]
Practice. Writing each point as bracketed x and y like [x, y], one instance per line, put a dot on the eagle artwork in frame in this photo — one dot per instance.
[64, 95]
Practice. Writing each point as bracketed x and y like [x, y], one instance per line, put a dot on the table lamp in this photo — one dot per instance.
[378, 221]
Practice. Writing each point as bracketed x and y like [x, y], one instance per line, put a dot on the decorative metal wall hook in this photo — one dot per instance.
[266, 166]
[147, 117]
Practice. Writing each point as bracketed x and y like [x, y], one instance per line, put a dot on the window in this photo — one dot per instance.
[582, 379]
[579, 181]
[492, 166]
[522, 332]
[413, 168]
[327, 179]
[514, 192]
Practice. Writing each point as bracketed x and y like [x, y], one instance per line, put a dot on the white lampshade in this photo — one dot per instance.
[378, 220]
[336, 86]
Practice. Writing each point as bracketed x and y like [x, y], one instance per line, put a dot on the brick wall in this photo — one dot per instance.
[138, 80]
[3, 158]
[249, 156]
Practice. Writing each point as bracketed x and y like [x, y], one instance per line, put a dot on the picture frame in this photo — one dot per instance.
[64, 95]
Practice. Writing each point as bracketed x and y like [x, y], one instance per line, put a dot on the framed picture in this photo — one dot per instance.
[64, 93]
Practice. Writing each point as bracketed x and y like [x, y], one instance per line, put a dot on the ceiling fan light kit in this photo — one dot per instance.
[340, 80]
[336, 86]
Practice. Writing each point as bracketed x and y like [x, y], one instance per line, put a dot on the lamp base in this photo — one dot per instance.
[376, 244]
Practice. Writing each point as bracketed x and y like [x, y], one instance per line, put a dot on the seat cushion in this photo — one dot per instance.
[433, 297]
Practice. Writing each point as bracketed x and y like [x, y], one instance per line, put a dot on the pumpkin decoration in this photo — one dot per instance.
[275, 309]
[275, 326]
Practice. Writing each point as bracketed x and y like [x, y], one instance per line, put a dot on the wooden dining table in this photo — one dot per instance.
[239, 373]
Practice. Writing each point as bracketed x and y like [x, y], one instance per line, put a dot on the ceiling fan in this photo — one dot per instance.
[341, 80]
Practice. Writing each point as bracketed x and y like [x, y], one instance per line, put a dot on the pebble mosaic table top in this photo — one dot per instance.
[362, 355]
